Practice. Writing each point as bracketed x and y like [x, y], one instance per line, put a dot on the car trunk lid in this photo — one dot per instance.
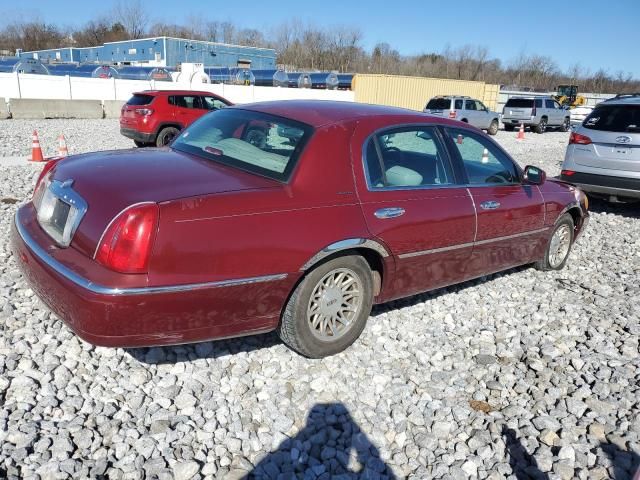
[609, 150]
[111, 181]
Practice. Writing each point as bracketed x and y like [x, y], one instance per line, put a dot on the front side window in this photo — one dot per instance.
[483, 162]
[248, 140]
[406, 157]
[212, 103]
[480, 106]
[185, 101]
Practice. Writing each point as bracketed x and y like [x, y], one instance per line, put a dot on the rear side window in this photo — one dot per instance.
[439, 104]
[140, 99]
[407, 157]
[519, 103]
[185, 101]
[458, 105]
[550, 104]
[614, 118]
[470, 104]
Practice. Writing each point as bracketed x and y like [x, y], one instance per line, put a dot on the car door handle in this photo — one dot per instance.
[391, 212]
[489, 205]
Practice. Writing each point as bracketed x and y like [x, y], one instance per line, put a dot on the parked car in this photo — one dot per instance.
[603, 155]
[214, 237]
[155, 117]
[538, 113]
[465, 109]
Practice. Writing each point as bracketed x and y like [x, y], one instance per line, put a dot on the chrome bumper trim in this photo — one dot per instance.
[72, 276]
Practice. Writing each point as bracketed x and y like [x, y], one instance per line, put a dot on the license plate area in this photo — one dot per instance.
[60, 210]
[621, 150]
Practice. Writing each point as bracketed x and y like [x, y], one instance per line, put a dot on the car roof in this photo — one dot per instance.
[631, 100]
[323, 112]
[174, 92]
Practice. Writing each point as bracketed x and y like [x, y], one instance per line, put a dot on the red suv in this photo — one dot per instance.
[155, 117]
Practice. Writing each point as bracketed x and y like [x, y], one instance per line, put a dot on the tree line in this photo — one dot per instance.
[302, 46]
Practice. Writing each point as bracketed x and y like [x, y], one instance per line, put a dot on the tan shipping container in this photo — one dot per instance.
[415, 92]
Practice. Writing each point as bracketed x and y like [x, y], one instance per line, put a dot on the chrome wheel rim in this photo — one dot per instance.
[335, 304]
[560, 244]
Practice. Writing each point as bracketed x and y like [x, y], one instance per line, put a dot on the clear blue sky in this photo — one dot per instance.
[595, 34]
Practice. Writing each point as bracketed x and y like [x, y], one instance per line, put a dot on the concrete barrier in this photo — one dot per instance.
[4, 110]
[35, 108]
[112, 108]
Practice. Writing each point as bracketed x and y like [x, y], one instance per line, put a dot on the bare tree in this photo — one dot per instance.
[134, 16]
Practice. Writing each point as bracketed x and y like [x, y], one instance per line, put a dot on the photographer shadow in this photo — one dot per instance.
[330, 446]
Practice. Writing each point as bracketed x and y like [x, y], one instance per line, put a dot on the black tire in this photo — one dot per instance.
[140, 144]
[256, 137]
[566, 125]
[493, 128]
[295, 325]
[509, 128]
[166, 136]
[566, 222]
[541, 127]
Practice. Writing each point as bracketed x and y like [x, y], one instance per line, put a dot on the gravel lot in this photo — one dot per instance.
[517, 375]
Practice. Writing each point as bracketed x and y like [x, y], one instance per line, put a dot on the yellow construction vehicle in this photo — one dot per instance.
[567, 95]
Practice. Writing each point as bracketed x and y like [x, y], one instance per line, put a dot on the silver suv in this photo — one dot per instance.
[465, 109]
[538, 113]
[603, 156]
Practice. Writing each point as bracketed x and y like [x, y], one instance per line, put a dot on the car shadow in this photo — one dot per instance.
[434, 294]
[219, 348]
[625, 465]
[211, 349]
[629, 210]
[330, 445]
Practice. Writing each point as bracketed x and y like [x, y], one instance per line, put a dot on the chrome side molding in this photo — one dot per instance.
[345, 245]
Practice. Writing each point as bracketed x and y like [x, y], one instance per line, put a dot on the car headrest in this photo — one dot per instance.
[398, 176]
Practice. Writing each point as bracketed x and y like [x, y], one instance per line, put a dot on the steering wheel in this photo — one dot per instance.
[498, 178]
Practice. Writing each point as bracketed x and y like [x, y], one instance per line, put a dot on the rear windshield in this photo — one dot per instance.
[614, 118]
[439, 104]
[140, 100]
[251, 141]
[519, 103]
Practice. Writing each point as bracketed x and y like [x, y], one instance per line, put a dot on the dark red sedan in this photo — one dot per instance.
[344, 205]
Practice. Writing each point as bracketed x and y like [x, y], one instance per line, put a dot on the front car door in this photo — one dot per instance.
[510, 214]
[554, 113]
[484, 116]
[413, 202]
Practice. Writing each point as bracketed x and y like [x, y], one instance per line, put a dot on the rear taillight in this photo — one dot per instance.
[143, 111]
[567, 173]
[126, 244]
[41, 183]
[452, 114]
[578, 139]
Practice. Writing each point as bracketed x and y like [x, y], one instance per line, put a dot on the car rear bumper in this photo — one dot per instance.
[605, 184]
[137, 135]
[517, 121]
[147, 316]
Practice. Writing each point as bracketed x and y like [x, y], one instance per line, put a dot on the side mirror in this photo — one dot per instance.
[534, 175]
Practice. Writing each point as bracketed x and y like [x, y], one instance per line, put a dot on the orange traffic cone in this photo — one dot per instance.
[36, 151]
[520, 135]
[485, 156]
[63, 151]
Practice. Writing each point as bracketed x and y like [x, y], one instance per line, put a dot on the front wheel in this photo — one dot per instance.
[329, 308]
[559, 246]
[493, 128]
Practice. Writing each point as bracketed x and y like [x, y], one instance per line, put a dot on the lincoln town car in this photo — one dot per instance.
[340, 207]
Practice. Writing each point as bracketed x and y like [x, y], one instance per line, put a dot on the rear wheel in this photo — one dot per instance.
[329, 308]
[566, 125]
[493, 128]
[508, 128]
[542, 126]
[166, 136]
[559, 246]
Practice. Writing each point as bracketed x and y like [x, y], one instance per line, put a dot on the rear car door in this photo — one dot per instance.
[510, 215]
[412, 201]
[187, 109]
